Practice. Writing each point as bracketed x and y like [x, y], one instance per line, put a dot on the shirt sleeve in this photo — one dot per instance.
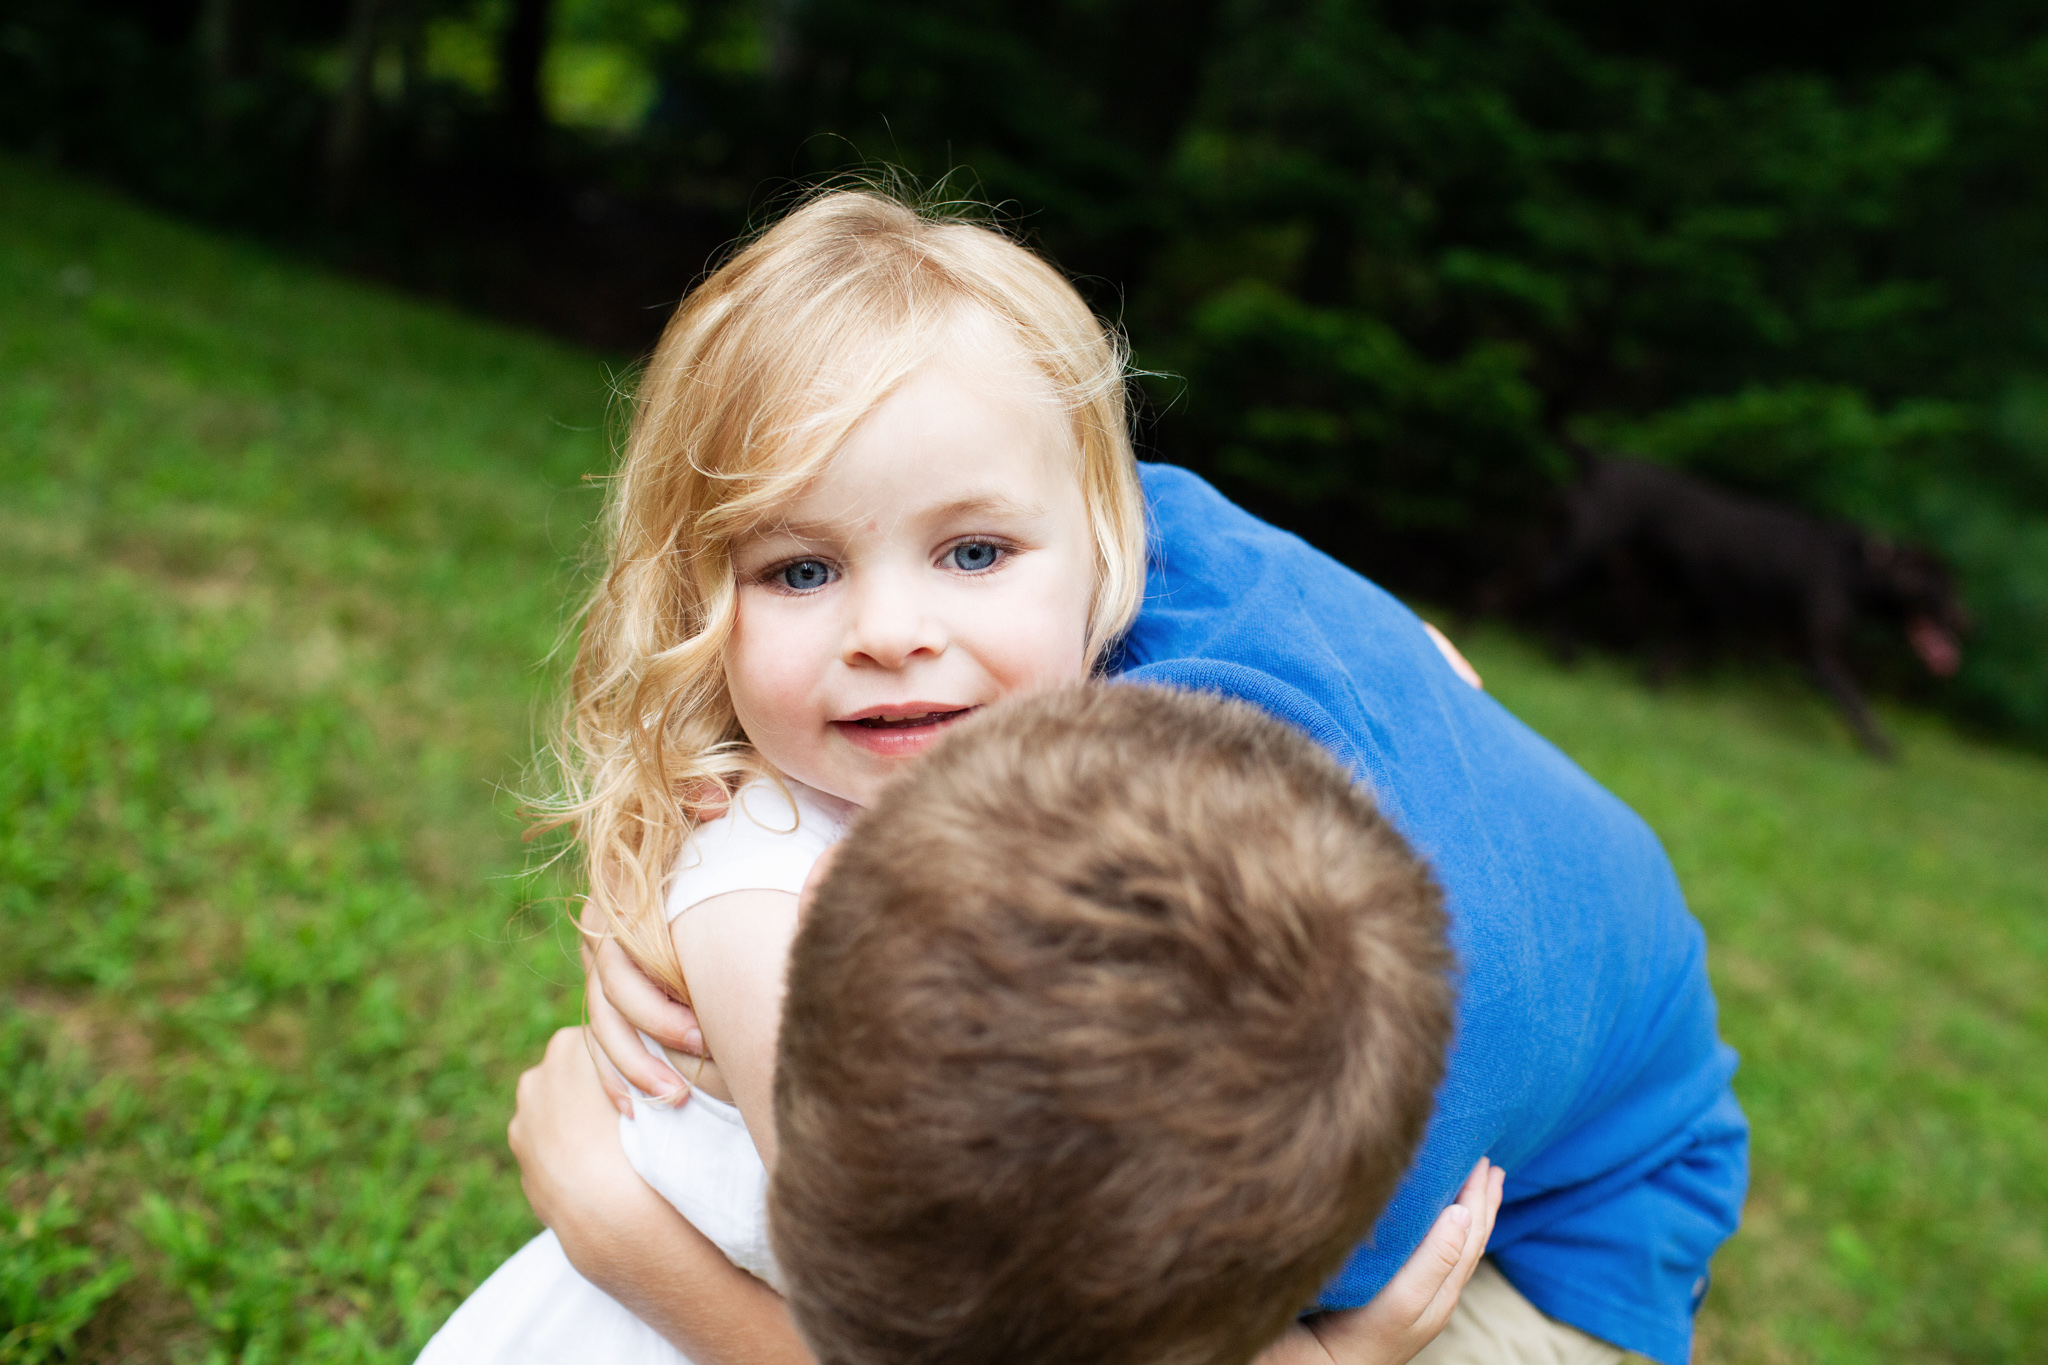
[767, 840]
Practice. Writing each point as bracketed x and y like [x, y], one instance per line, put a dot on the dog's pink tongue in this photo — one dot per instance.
[1936, 647]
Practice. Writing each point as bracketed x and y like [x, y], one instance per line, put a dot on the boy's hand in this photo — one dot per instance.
[1409, 1313]
[619, 998]
[567, 1142]
[625, 1238]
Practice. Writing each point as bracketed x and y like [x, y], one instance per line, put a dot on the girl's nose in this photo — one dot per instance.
[891, 626]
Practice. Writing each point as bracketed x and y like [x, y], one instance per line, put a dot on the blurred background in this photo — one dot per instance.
[314, 318]
[1393, 257]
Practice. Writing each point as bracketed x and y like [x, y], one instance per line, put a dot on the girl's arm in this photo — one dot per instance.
[735, 948]
[736, 951]
[625, 1238]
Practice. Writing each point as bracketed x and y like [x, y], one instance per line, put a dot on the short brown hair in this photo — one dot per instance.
[1110, 1032]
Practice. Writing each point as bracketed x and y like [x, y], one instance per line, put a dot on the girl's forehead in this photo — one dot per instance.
[964, 392]
[979, 348]
[954, 434]
[971, 360]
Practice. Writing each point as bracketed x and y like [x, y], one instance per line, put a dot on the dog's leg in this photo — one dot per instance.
[1826, 629]
[1578, 552]
[1553, 596]
[1835, 678]
[1663, 665]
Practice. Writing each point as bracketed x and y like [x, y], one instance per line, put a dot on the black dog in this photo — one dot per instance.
[1760, 567]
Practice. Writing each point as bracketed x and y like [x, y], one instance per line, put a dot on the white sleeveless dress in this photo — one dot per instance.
[535, 1309]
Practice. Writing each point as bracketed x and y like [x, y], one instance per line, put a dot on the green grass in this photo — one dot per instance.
[1878, 938]
[281, 557]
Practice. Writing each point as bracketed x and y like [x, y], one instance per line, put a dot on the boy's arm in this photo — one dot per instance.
[1416, 1304]
[625, 1238]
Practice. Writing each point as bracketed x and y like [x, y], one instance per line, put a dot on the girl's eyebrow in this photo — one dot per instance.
[984, 505]
[997, 505]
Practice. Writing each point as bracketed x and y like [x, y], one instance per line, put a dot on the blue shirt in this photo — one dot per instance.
[1586, 1060]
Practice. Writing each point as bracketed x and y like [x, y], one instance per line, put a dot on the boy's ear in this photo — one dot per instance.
[820, 870]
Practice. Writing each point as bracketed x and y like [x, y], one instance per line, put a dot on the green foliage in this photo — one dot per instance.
[1395, 255]
[281, 554]
[1547, 238]
[49, 1286]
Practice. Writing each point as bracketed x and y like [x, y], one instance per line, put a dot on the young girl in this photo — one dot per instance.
[879, 477]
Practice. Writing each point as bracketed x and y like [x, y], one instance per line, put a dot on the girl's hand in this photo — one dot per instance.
[618, 998]
[1409, 1313]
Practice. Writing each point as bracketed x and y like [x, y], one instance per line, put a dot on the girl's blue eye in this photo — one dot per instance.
[805, 575]
[975, 556]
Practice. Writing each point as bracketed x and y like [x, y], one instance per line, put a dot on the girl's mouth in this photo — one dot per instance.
[899, 733]
[910, 722]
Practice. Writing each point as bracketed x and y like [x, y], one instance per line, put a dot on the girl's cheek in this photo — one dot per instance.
[1058, 647]
[785, 668]
[1056, 654]
[770, 668]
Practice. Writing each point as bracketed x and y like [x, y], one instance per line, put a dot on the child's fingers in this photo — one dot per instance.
[1448, 1243]
[1473, 1192]
[613, 1084]
[613, 1038]
[604, 1029]
[1408, 1314]
[1496, 1184]
[645, 1005]
[1480, 1198]
[1481, 1194]
[1397, 1322]
[1417, 1285]
[1454, 658]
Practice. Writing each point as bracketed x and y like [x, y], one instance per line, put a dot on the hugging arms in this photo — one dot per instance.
[945, 1012]
[1587, 1061]
[880, 478]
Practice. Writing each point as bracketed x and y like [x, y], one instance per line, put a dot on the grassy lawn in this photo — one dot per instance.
[282, 558]
[1878, 939]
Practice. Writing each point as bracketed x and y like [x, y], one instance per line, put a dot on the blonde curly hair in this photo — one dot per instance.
[766, 367]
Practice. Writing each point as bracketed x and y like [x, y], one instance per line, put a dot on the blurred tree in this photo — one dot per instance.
[520, 53]
[222, 50]
[1400, 256]
[349, 125]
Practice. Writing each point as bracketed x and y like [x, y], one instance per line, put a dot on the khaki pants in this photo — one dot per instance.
[1494, 1325]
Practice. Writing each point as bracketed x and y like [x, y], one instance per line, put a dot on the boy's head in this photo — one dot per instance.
[1112, 1028]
